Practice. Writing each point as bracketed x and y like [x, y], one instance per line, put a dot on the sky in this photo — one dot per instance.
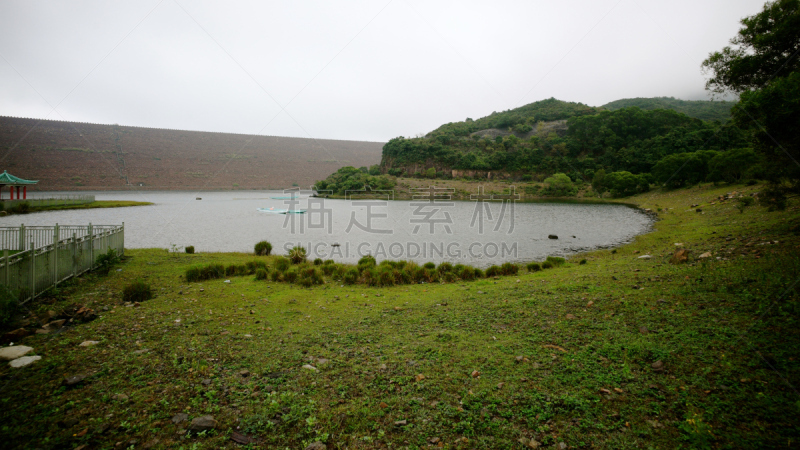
[354, 70]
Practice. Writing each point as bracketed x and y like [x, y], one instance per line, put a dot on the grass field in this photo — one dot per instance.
[95, 204]
[620, 352]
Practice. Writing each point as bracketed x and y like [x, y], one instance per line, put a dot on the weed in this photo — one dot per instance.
[261, 274]
[189, 249]
[138, 291]
[534, 267]
[263, 248]
[297, 254]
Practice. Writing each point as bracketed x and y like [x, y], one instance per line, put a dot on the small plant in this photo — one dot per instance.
[105, 261]
[445, 267]
[534, 267]
[297, 254]
[290, 276]
[744, 202]
[492, 271]
[429, 265]
[138, 291]
[350, 276]
[467, 273]
[193, 274]
[509, 268]
[189, 249]
[555, 261]
[328, 269]
[366, 262]
[547, 265]
[209, 272]
[583, 261]
[310, 276]
[370, 276]
[318, 262]
[261, 274]
[387, 277]
[479, 273]
[329, 262]
[8, 305]
[263, 248]
[282, 264]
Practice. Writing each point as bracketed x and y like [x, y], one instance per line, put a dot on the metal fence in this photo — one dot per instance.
[38, 258]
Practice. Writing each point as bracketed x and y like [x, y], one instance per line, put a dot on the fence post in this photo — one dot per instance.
[22, 237]
[74, 253]
[55, 255]
[91, 247]
[122, 236]
[33, 271]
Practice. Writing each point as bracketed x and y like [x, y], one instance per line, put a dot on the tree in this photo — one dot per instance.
[559, 185]
[623, 184]
[598, 182]
[766, 48]
[731, 166]
[431, 172]
[765, 70]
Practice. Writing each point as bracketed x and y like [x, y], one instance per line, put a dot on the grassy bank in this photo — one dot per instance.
[20, 209]
[621, 352]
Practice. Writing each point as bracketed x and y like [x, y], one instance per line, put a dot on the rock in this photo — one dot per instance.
[73, 380]
[419, 377]
[383, 405]
[475, 374]
[552, 236]
[43, 331]
[310, 367]
[24, 361]
[562, 446]
[589, 305]
[680, 256]
[644, 257]
[679, 244]
[206, 381]
[534, 444]
[16, 335]
[705, 255]
[698, 210]
[88, 343]
[240, 438]
[151, 443]
[204, 423]
[657, 366]
[434, 440]
[54, 325]
[519, 358]
[382, 367]
[17, 351]
[180, 417]
[316, 446]
[500, 385]
[570, 316]
[120, 397]
[322, 361]
[643, 329]
[244, 373]
[400, 423]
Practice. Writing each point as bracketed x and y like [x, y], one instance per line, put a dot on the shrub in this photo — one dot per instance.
[339, 271]
[534, 267]
[8, 305]
[328, 269]
[458, 269]
[583, 261]
[189, 249]
[467, 273]
[406, 276]
[208, 272]
[492, 271]
[297, 254]
[105, 261]
[370, 276]
[556, 261]
[310, 276]
[449, 277]
[429, 265]
[230, 270]
[21, 208]
[261, 274]
[193, 274]
[275, 276]
[366, 262]
[386, 277]
[138, 291]
[329, 262]
[253, 266]
[509, 268]
[318, 262]
[263, 248]
[290, 276]
[350, 276]
[479, 273]
[282, 264]
[445, 267]
[547, 265]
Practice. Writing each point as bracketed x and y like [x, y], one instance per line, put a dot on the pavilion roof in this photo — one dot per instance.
[6, 179]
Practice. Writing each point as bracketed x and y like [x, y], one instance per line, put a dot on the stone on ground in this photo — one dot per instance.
[200, 424]
[24, 361]
[17, 351]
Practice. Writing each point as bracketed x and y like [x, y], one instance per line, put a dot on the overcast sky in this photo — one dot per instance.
[360, 70]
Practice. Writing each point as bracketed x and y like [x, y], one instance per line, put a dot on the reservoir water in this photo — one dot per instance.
[469, 232]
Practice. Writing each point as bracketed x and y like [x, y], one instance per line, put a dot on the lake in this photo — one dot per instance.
[468, 232]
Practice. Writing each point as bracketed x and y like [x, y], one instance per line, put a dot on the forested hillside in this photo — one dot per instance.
[534, 142]
[699, 109]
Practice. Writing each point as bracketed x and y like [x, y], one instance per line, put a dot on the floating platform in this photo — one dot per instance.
[283, 211]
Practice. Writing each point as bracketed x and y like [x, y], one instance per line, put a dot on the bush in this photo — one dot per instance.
[290, 276]
[263, 248]
[509, 269]
[200, 273]
[189, 249]
[429, 265]
[350, 276]
[105, 261]
[547, 265]
[406, 276]
[583, 261]
[329, 262]
[230, 270]
[492, 271]
[445, 267]
[252, 266]
[297, 254]
[21, 208]
[479, 273]
[555, 261]
[467, 273]
[310, 276]
[318, 262]
[261, 274]
[138, 291]
[328, 269]
[9, 304]
[366, 262]
[534, 267]
[282, 264]
[275, 276]
[449, 277]
[387, 277]
[370, 276]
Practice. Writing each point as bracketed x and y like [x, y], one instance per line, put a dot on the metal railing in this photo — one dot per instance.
[50, 257]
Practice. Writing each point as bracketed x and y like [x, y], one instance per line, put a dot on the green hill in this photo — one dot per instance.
[699, 109]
